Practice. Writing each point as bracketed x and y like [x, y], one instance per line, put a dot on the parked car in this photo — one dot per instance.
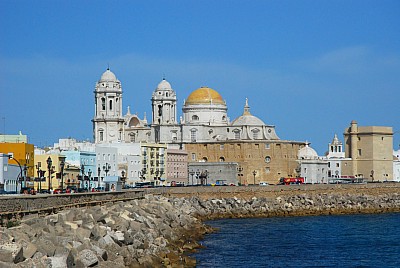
[263, 183]
[57, 191]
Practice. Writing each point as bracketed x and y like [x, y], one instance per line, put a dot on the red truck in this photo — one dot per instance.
[287, 181]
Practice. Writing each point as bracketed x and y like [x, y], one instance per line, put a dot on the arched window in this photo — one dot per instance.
[267, 159]
[110, 105]
[222, 159]
[195, 118]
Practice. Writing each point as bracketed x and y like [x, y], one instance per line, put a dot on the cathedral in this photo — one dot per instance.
[204, 130]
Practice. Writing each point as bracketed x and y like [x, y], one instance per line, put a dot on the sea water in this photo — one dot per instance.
[371, 240]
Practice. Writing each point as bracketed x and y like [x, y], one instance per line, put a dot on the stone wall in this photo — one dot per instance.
[160, 229]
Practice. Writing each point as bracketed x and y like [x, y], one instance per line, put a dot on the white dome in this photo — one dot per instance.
[108, 76]
[307, 153]
[164, 85]
[248, 120]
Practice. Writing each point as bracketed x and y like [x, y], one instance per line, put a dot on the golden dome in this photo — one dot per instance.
[204, 95]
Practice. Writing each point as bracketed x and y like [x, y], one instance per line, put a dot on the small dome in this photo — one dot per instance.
[307, 153]
[247, 119]
[164, 85]
[108, 76]
[204, 95]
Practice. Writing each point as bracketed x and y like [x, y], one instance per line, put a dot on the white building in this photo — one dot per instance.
[335, 157]
[204, 117]
[8, 175]
[312, 168]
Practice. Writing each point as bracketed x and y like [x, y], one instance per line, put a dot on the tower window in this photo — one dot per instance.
[103, 104]
[110, 105]
[193, 135]
[195, 118]
[101, 135]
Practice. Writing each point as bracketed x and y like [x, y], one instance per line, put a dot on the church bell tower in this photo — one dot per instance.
[108, 121]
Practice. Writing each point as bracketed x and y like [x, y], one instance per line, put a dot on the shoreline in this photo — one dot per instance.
[163, 230]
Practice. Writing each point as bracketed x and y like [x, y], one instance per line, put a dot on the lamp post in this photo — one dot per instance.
[62, 165]
[90, 178]
[20, 171]
[83, 174]
[106, 168]
[123, 178]
[40, 173]
[98, 176]
[49, 165]
[25, 171]
[254, 174]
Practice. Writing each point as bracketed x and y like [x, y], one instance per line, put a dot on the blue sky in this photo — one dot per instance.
[307, 67]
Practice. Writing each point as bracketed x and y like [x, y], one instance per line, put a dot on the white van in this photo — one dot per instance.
[263, 183]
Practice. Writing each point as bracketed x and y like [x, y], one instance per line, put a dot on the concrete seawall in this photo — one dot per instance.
[161, 228]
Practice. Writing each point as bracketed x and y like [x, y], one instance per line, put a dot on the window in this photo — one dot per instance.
[195, 118]
[193, 156]
[101, 135]
[359, 152]
[193, 135]
[267, 170]
[222, 159]
[110, 105]
[221, 146]
[337, 165]
[237, 134]
[255, 133]
[267, 159]
[267, 146]
[103, 104]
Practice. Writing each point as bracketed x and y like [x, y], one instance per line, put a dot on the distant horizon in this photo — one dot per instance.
[307, 67]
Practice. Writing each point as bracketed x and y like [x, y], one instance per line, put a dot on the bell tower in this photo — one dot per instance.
[108, 121]
[164, 104]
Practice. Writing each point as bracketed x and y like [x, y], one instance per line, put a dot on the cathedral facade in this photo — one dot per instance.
[204, 130]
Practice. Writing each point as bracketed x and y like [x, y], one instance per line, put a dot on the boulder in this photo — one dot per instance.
[11, 252]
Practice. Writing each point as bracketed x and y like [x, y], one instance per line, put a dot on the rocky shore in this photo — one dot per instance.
[158, 231]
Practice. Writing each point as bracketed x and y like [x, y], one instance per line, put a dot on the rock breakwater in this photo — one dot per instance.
[156, 231]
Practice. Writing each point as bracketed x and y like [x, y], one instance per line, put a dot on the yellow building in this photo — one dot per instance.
[22, 153]
[41, 164]
[371, 151]
[153, 163]
[258, 161]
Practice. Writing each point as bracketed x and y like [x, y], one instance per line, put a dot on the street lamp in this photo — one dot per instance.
[254, 174]
[49, 165]
[83, 174]
[90, 178]
[123, 178]
[62, 164]
[98, 176]
[40, 175]
[106, 168]
[25, 171]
